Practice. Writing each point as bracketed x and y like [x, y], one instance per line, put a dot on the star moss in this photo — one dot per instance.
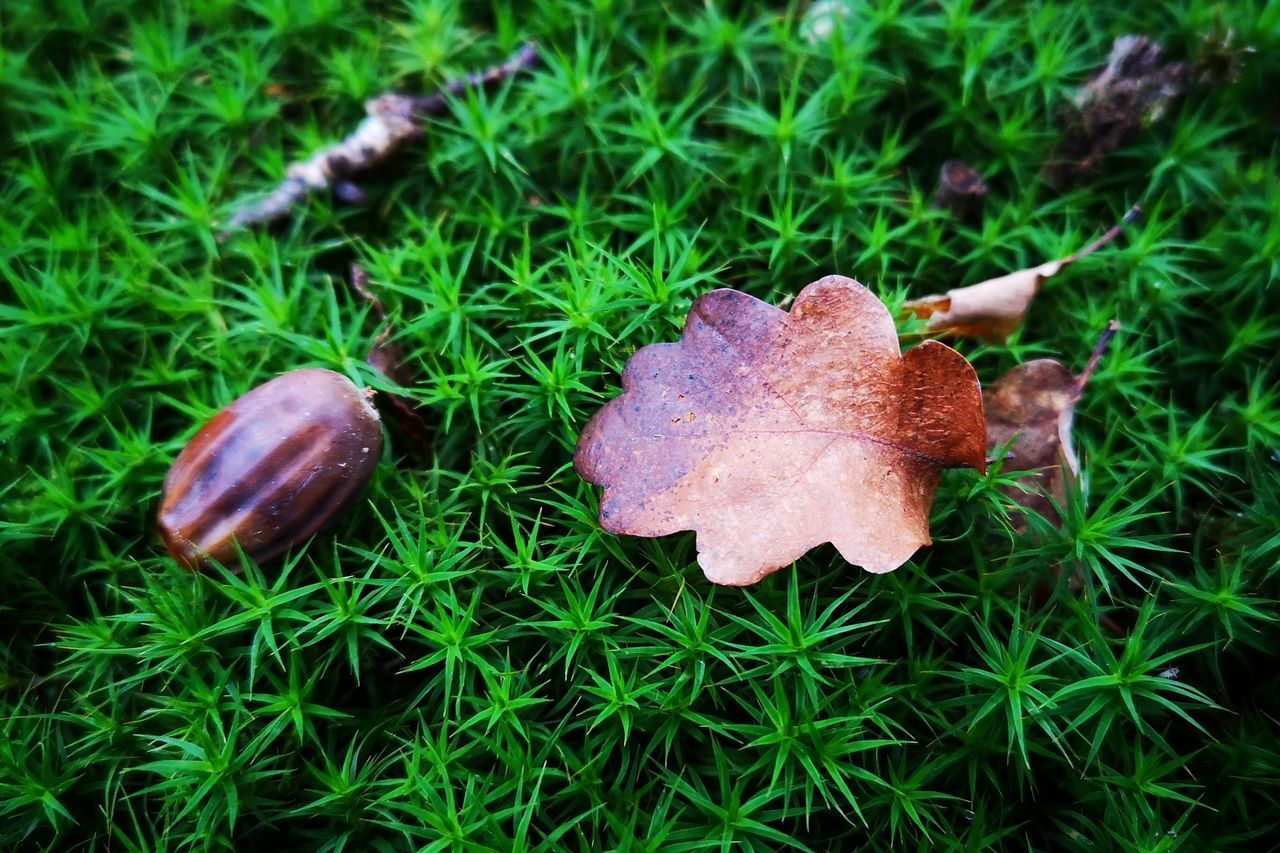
[467, 661]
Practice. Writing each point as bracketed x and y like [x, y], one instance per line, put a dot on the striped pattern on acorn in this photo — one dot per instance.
[271, 469]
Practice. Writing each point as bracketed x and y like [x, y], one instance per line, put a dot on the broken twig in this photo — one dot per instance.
[389, 359]
[960, 189]
[390, 121]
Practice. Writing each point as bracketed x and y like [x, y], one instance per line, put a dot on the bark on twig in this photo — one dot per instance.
[391, 120]
[1099, 350]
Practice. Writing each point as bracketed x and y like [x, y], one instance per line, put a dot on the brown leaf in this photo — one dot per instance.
[995, 308]
[991, 310]
[771, 432]
[1035, 403]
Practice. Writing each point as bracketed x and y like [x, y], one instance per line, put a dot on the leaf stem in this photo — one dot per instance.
[1106, 238]
[1099, 350]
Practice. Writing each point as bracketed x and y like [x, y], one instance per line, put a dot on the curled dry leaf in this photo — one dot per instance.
[993, 309]
[1033, 406]
[772, 432]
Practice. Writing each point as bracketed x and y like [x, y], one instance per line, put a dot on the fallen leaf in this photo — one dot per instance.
[772, 432]
[993, 309]
[1033, 406]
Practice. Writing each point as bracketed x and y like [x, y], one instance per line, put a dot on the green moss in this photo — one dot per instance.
[468, 661]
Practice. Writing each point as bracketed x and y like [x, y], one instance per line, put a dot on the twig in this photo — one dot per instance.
[1099, 350]
[360, 284]
[389, 359]
[1133, 214]
[390, 121]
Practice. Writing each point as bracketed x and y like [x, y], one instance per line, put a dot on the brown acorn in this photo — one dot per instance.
[271, 469]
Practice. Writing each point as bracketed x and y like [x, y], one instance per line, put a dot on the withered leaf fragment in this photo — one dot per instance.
[993, 309]
[772, 432]
[271, 469]
[1033, 405]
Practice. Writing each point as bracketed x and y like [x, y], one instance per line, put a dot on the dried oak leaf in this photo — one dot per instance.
[1033, 406]
[993, 309]
[772, 432]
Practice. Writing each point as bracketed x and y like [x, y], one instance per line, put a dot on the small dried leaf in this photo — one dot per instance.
[994, 309]
[772, 432]
[1033, 405]
[991, 310]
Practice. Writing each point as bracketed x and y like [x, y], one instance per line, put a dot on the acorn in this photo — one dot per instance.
[270, 470]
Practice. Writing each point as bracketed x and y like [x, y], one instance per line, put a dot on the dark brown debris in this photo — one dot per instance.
[1219, 61]
[960, 189]
[389, 359]
[1135, 89]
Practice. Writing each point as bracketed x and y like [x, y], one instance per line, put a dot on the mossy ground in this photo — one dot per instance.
[467, 660]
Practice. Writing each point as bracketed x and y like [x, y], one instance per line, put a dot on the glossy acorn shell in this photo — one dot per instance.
[270, 470]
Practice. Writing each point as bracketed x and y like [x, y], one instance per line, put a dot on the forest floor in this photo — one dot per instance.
[467, 660]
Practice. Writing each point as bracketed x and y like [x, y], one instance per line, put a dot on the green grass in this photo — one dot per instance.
[468, 661]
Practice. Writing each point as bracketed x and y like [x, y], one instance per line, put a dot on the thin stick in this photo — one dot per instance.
[360, 284]
[390, 121]
[1106, 238]
[434, 104]
[1099, 350]
[389, 360]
